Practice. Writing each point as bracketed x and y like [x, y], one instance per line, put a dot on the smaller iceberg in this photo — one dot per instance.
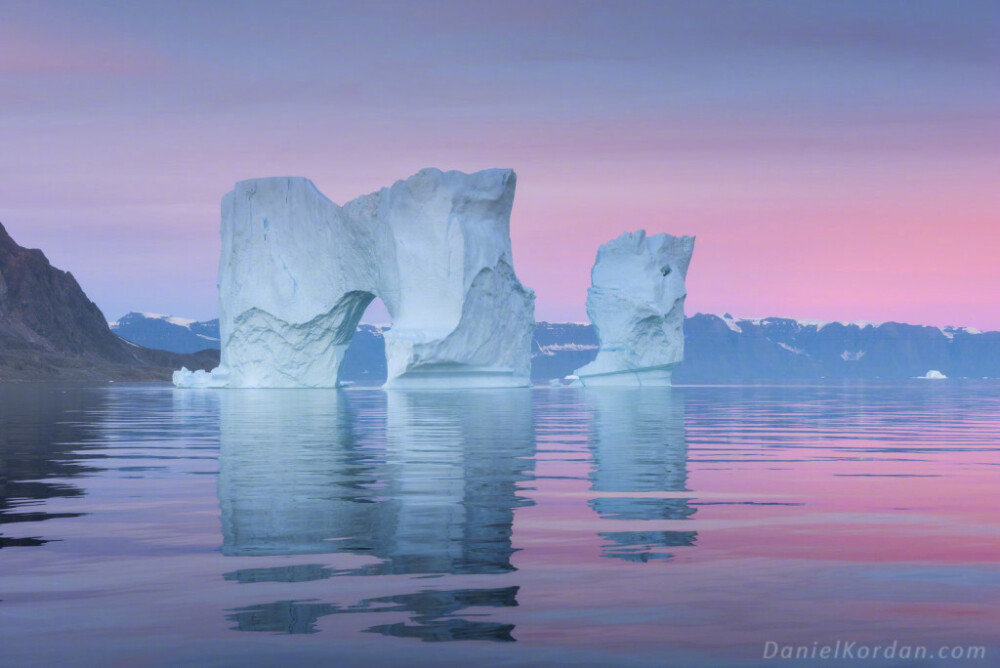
[636, 302]
[933, 374]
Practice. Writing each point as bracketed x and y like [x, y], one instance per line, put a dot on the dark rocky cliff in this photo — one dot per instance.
[50, 330]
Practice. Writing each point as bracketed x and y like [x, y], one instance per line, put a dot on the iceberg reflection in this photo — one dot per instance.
[432, 489]
[421, 482]
[432, 612]
[638, 445]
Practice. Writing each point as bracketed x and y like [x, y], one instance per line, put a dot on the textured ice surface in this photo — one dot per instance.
[636, 302]
[297, 272]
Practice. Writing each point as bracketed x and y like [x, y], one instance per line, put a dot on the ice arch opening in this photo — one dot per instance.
[364, 359]
[297, 272]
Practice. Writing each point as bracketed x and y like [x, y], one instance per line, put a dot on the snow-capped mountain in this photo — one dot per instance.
[727, 349]
[179, 335]
[724, 349]
[718, 349]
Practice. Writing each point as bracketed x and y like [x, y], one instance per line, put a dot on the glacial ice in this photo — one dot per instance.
[636, 303]
[297, 272]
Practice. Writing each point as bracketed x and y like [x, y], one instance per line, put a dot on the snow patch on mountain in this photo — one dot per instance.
[173, 320]
[736, 323]
[949, 332]
[554, 348]
[731, 322]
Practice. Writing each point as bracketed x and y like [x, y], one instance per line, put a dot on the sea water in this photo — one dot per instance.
[687, 526]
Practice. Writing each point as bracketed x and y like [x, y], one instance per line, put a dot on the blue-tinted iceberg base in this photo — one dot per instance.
[455, 377]
[442, 377]
[656, 377]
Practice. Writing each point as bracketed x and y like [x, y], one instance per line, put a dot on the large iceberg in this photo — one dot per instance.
[297, 272]
[636, 302]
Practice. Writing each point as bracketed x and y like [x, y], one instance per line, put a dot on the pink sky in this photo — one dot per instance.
[835, 162]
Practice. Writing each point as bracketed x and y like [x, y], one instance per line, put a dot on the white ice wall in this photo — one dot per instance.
[297, 272]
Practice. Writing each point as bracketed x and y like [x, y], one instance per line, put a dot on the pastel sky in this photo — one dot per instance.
[837, 160]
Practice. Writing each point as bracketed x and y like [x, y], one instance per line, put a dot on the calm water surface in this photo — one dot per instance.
[140, 525]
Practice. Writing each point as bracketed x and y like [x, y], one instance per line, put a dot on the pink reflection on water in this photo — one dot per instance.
[860, 526]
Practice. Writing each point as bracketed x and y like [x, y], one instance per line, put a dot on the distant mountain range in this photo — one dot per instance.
[718, 349]
[49, 330]
[723, 349]
[165, 332]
